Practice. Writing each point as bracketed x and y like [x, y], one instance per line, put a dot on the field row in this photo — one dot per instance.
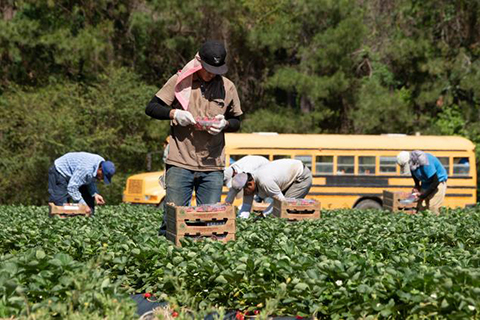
[347, 265]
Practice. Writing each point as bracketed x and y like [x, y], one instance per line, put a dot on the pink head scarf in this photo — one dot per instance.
[183, 87]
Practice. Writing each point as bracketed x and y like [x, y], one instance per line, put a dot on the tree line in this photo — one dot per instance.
[76, 75]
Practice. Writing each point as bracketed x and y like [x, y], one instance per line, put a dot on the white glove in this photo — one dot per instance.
[244, 211]
[244, 214]
[217, 128]
[183, 118]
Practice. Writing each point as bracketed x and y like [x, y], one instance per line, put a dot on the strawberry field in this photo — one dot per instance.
[348, 265]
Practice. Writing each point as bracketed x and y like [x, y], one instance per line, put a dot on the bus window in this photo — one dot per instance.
[281, 156]
[236, 157]
[307, 160]
[345, 164]
[264, 155]
[324, 164]
[366, 165]
[445, 161]
[388, 164]
[461, 166]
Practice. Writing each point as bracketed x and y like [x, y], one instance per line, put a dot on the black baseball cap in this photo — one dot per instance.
[213, 56]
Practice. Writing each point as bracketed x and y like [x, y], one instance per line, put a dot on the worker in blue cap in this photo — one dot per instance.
[73, 176]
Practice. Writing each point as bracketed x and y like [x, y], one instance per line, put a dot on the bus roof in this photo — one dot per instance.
[346, 142]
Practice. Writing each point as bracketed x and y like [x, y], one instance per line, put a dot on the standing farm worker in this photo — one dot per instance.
[279, 179]
[73, 176]
[196, 156]
[429, 175]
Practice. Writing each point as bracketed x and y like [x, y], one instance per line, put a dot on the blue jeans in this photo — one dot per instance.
[182, 182]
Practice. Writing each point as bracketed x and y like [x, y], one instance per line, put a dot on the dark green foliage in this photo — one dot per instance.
[350, 264]
[106, 117]
[282, 120]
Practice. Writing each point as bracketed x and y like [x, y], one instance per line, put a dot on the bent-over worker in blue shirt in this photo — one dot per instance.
[73, 176]
[430, 178]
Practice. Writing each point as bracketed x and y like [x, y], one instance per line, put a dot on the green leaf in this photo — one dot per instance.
[105, 283]
[221, 279]
[301, 286]
[40, 254]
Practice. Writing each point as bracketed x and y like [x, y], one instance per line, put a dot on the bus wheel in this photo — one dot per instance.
[368, 204]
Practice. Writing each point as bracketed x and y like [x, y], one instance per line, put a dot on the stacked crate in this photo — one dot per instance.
[296, 209]
[391, 202]
[216, 222]
[259, 207]
[68, 210]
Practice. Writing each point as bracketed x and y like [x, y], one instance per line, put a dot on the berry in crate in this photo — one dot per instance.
[301, 202]
[207, 208]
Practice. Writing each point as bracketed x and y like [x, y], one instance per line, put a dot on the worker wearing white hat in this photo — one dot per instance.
[429, 175]
[279, 179]
[247, 164]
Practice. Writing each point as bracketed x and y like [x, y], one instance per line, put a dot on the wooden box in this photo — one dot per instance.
[259, 207]
[296, 209]
[175, 238]
[391, 202]
[68, 210]
[206, 221]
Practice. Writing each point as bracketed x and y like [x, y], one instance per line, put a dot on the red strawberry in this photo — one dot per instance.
[174, 314]
[147, 295]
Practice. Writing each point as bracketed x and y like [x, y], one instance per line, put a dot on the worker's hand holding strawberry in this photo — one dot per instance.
[217, 127]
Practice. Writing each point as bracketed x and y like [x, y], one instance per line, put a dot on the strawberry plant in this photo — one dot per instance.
[349, 264]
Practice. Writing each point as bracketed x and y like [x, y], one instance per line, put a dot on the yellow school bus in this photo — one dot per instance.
[144, 188]
[351, 171]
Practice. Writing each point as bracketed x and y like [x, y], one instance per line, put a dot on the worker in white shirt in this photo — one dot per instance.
[279, 179]
[247, 164]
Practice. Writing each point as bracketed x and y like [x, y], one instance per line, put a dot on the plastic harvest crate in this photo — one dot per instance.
[206, 221]
[391, 202]
[296, 209]
[68, 210]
